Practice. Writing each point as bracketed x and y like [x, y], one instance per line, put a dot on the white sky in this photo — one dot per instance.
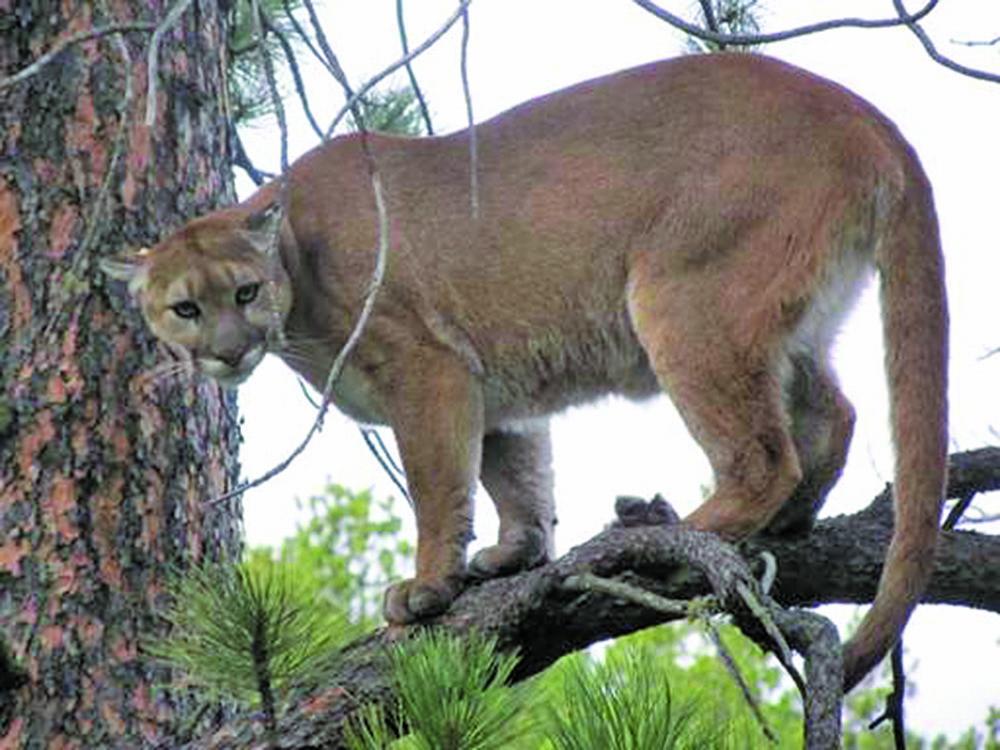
[523, 48]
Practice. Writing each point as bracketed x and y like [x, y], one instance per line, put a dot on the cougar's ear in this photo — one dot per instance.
[262, 226]
[131, 267]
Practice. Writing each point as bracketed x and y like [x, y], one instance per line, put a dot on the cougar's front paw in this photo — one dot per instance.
[527, 549]
[412, 600]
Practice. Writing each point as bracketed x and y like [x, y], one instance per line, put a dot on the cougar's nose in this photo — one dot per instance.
[233, 357]
[234, 339]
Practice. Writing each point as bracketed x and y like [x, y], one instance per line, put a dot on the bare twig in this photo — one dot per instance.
[337, 71]
[977, 42]
[763, 614]
[734, 671]
[894, 701]
[373, 287]
[378, 449]
[272, 84]
[153, 57]
[957, 511]
[293, 65]
[62, 46]
[699, 607]
[770, 572]
[400, 23]
[702, 608]
[936, 56]
[273, 253]
[473, 146]
[241, 160]
[94, 223]
[898, 695]
[984, 519]
[338, 364]
[709, 13]
[990, 353]
[419, 50]
[903, 19]
[332, 63]
[303, 35]
[778, 36]
[586, 582]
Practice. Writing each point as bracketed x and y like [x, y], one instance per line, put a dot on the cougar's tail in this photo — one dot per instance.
[915, 319]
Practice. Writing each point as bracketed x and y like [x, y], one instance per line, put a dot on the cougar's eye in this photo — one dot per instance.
[247, 294]
[186, 309]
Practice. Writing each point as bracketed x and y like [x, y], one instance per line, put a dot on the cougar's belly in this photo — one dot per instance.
[545, 375]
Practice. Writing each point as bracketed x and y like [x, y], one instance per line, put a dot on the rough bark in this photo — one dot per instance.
[102, 469]
[840, 561]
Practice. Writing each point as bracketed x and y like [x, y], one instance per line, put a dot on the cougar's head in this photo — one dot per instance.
[215, 291]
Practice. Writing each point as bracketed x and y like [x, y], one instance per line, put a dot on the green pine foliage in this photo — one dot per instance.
[691, 664]
[391, 111]
[347, 553]
[732, 17]
[247, 87]
[621, 702]
[247, 633]
[624, 702]
[469, 707]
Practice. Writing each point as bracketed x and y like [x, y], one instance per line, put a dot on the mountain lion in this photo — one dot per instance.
[699, 226]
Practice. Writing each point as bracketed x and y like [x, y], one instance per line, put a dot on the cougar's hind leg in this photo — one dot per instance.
[726, 386]
[822, 426]
[517, 473]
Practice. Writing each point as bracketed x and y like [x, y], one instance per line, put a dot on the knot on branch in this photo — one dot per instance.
[736, 592]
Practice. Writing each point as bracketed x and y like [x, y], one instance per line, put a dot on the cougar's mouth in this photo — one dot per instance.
[231, 374]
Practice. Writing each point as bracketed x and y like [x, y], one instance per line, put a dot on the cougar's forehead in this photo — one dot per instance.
[203, 260]
[200, 281]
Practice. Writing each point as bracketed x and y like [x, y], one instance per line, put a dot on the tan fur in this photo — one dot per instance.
[700, 225]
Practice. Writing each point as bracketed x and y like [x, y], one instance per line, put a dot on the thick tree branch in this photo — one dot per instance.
[840, 561]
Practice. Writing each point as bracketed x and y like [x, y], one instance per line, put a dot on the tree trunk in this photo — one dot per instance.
[103, 469]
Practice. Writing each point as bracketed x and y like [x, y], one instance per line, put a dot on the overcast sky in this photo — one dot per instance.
[523, 48]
